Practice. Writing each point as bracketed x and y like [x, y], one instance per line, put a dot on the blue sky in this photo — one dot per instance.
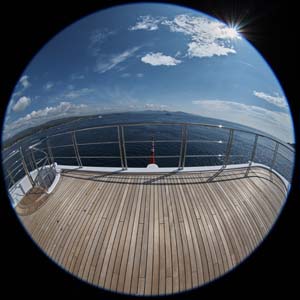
[150, 56]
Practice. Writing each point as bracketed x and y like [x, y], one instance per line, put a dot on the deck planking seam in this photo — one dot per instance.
[39, 215]
[114, 252]
[85, 233]
[133, 243]
[101, 218]
[193, 215]
[113, 224]
[79, 229]
[189, 237]
[94, 223]
[177, 219]
[125, 253]
[74, 222]
[61, 219]
[173, 240]
[239, 220]
[217, 241]
[138, 247]
[109, 213]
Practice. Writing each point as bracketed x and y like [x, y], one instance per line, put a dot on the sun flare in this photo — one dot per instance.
[233, 32]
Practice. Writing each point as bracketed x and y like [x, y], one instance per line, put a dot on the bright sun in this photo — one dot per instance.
[233, 32]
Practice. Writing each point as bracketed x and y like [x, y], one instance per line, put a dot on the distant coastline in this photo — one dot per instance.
[32, 130]
[18, 137]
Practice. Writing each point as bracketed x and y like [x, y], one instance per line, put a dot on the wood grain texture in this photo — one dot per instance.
[152, 234]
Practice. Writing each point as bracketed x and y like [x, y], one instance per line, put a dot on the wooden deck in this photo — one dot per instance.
[155, 234]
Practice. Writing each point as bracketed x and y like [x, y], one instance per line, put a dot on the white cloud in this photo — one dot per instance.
[38, 117]
[275, 100]
[97, 38]
[106, 63]
[49, 85]
[125, 75]
[195, 49]
[21, 104]
[208, 37]
[24, 85]
[146, 23]
[278, 124]
[25, 82]
[78, 93]
[153, 106]
[76, 76]
[159, 59]
[10, 105]
[99, 35]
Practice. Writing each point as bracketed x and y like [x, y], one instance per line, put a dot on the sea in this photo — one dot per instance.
[209, 143]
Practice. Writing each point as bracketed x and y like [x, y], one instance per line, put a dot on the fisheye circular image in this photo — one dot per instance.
[148, 149]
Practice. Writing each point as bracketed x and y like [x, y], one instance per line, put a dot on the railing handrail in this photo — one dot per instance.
[173, 124]
[183, 139]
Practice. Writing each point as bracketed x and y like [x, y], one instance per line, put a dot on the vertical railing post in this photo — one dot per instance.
[31, 164]
[274, 156]
[49, 162]
[76, 149]
[120, 147]
[252, 154]
[183, 147]
[124, 147]
[228, 148]
[25, 167]
[49, 150]
[33, 160]
[10, 176]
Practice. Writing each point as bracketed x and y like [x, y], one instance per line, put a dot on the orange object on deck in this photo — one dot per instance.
[152, 158]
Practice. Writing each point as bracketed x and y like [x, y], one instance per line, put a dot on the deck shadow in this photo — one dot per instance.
[202, 177]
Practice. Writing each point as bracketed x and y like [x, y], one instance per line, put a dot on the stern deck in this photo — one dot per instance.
[152, 234]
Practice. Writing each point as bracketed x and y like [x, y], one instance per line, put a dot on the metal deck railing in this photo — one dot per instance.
[39, 171]
[41, 154]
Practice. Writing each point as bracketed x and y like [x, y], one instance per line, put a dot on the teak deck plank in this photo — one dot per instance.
[150, 234]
